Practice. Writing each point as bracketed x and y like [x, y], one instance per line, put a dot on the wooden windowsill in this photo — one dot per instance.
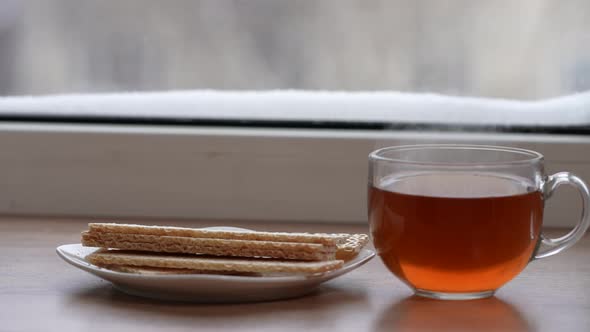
[39, 292]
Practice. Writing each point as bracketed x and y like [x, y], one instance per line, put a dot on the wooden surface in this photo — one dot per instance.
[39, 292]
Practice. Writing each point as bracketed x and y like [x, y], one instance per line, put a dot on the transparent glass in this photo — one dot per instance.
[460, 221]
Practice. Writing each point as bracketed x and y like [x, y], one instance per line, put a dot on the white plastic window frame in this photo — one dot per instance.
[221, 173]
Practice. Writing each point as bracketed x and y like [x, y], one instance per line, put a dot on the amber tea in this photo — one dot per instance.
[453, 233]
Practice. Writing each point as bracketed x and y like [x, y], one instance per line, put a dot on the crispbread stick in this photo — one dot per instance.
[326, 239]
[146, 270]
[210, 246]
[121, 258]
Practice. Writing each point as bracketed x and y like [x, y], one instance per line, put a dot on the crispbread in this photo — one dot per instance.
[352, 246]
[281, 245]
[327, 239]
[145, 270]
[210, 246]
[213, 264]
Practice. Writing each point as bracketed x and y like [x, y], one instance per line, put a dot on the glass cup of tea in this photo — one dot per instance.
[460, 221]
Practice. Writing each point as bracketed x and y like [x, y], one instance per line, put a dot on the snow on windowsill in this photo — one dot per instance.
[288, 105]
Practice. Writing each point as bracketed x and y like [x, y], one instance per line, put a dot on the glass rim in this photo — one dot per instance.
[534, 157]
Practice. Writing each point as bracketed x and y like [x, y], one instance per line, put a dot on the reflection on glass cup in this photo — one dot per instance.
[459, 221]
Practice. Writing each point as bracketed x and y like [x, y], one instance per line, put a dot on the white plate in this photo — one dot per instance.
[207, 288]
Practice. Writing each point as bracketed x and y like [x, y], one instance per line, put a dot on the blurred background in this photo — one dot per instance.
[527, 49]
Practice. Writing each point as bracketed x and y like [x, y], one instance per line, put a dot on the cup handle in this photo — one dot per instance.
[562, 243]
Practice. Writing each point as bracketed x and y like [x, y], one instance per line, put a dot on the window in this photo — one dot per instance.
[517, 50]
[406, 71]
